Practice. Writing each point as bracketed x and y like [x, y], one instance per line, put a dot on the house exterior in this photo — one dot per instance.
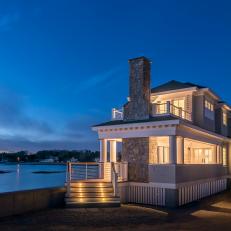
[174, 137]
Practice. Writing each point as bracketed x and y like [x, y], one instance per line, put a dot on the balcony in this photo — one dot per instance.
[158, 110]
[117, 114]
[169, 109]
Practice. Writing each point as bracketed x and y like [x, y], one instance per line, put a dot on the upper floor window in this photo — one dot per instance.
[209, 110]
[209, 105]
[225, 119]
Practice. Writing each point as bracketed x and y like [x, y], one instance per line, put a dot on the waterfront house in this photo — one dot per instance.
[175, 142]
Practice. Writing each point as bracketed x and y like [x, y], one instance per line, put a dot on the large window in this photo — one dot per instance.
[196, 152]
[159, 150]
[202, 156]
[209, 110]
[179, 106]
[162, 155]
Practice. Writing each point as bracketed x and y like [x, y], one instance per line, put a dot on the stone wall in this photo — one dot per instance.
[14, 203]
[138, 107]
[136, 152]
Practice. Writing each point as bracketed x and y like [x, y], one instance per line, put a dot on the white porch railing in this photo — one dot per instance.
[168, 108]
[117, 114]
[77, 171]
[83, 171]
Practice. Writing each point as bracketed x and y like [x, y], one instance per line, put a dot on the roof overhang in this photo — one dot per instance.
[209, 92]
[143, 129]
[192, 89]
[159, 128]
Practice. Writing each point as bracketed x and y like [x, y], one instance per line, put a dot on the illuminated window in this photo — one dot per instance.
[161, 108]
[202, 156]
[225, 118]
[209, 110]
[224, 156]
[179, 106]
[179, 103]
[162, 155]
[209, 105]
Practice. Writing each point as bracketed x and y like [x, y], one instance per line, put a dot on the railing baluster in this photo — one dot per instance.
[168, 108]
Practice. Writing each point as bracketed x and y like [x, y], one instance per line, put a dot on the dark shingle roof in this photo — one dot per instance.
[174, 85]
[151, 119]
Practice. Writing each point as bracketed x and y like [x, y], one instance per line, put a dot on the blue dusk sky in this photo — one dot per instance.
[63, 64]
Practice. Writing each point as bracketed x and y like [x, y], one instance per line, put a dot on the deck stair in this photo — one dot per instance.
[91, 193]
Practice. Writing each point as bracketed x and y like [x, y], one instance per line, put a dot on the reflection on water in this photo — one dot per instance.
[17, 174]
[20, 176]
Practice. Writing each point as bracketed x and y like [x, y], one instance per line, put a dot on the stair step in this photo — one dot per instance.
[90, 185]
[92, 200]
[91, 189]
[90, 195]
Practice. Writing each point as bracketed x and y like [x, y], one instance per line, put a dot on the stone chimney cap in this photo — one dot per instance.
[141, 57]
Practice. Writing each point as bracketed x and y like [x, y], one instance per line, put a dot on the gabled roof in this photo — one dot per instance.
[174, 85]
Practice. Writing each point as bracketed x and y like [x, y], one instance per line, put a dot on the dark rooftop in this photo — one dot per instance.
[151, 119]
[174, 85]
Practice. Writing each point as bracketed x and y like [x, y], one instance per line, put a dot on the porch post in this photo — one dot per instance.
[215, 154]
[172, 149]
[218, 155]
[221, 154]
[168, 107]
[180, 150]
[112, 150]
[103, 150]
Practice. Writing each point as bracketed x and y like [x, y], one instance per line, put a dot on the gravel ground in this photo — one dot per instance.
[213, 213]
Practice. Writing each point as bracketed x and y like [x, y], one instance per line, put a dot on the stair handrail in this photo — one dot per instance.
[114, 179]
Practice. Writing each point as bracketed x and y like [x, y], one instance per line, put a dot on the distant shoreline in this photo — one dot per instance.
[31, 163]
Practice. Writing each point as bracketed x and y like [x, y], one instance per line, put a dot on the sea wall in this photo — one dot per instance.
[14, 203]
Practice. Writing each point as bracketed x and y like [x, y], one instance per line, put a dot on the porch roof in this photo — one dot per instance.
[151, 119]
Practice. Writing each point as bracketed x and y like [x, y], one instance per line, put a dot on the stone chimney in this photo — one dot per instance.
[138, 106]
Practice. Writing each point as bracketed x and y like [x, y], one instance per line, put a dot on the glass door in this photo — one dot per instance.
[162, 155]
[179, 106]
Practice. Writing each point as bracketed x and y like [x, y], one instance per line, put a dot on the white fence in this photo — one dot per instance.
[146, 193]
[197, 191]
[142, 193]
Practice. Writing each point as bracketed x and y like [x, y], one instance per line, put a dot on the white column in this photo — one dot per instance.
[218, 154]
[112, 150]
[103, 150]
[180, 150]
[215, 154]
[221, 154]
[172, 149]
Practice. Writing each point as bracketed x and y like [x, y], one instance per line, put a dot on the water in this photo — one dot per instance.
[21, 177]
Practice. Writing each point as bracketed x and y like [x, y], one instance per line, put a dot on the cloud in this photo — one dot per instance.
[14, 119]
[7, 20]
[19, 131]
